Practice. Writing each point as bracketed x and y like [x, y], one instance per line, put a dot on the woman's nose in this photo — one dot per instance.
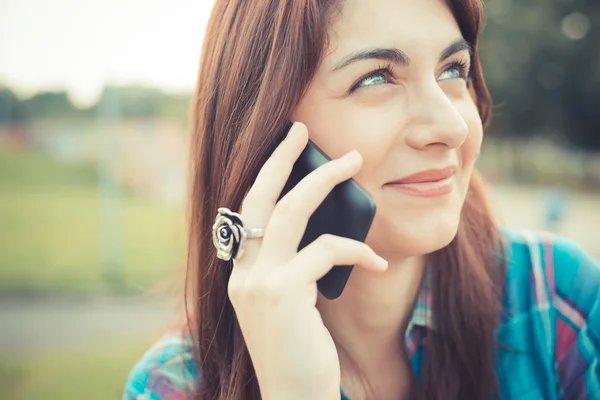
[435, 122]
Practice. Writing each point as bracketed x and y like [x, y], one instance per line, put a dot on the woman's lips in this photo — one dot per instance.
[428, 183]
[425, 189]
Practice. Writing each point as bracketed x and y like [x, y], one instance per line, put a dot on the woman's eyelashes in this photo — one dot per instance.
[457, 70]
[379, 76]
[384, 74]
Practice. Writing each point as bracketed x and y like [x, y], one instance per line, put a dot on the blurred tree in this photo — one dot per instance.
[146, 102]
[135, 102]
[543, 68]
[11, 108]
[50, 104]
[580, 94]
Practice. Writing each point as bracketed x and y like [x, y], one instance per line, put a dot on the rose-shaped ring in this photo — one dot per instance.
[229, 234]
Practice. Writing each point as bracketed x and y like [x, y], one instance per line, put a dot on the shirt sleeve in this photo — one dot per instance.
[577, 304]
[166, 372]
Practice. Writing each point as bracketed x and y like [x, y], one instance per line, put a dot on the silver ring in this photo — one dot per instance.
[254, 233]
[229, 235]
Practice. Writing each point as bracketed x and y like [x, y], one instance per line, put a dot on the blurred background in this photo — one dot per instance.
[93, 133]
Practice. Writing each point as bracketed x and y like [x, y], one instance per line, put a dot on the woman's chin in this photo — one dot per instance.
[414, 239]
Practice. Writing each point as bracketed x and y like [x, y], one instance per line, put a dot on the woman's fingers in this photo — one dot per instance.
[260, 201]
[290, 215]
[315, 260]
[285, 221]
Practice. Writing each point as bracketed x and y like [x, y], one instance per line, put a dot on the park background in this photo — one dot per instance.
[93, 143]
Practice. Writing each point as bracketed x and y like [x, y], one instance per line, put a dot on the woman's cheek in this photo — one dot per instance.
[472, 146]
[373, 132]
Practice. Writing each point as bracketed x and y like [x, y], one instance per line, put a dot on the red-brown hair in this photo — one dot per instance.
[257, 60]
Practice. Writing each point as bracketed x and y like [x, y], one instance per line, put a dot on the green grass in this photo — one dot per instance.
[91, 374]
[50, 231]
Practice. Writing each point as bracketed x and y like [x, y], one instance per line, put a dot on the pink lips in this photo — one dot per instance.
[428, 183]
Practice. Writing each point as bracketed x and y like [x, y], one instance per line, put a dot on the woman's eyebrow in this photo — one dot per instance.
[397, 56]
[389, 54]
[457, 47]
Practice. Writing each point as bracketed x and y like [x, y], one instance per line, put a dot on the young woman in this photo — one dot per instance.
[441, 304]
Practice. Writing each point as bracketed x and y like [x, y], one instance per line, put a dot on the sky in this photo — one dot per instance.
[80, 45]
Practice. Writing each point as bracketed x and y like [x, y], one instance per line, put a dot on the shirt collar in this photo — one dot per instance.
[422, 314]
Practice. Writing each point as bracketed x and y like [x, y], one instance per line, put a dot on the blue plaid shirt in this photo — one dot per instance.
[553, 307]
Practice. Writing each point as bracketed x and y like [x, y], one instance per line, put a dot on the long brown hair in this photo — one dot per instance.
[257, 60]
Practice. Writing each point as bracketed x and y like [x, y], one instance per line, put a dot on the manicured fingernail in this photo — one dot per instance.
[382, 263]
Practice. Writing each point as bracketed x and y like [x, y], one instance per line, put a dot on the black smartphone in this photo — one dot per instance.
[347, 211]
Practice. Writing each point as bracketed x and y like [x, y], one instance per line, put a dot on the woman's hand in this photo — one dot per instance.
[273, 286]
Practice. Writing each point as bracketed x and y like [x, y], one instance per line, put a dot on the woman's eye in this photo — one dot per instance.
[376, 79]
[455, 71]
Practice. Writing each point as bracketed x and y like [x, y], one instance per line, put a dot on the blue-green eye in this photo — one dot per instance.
[456, 70]
[379, 76]
[377, 79]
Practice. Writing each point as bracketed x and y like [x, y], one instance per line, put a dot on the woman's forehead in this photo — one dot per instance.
[411, 25]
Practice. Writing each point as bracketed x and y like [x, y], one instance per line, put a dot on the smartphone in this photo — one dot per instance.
[347, 211]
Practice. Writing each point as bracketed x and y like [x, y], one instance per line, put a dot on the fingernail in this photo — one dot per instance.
[382, 263]
[352, 156]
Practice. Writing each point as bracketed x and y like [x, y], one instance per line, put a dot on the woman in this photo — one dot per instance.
[440, 304]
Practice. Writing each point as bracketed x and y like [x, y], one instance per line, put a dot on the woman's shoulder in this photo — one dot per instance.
[552, 295]
[555, 269]
[562, 263]
[166, 371]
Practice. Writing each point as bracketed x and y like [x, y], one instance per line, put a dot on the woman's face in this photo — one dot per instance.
[393, 85]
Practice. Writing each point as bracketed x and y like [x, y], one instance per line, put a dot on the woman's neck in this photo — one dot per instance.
[370, 317]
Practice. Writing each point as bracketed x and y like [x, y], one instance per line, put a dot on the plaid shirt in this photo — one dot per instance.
[552, 305]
